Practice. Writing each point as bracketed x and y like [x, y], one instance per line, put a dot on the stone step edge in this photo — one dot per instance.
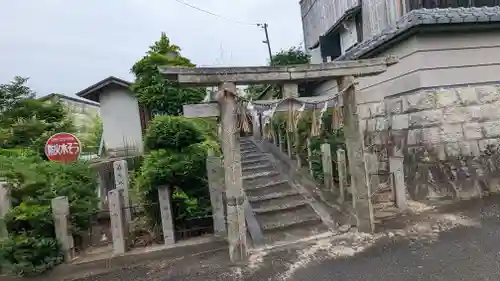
[260, 175]
[247, 145]
[293, 224]
[286, 208]
[253, 161]
[249, 152]
[267, 185]
[254, 155]
[249, 168]
[274, 195]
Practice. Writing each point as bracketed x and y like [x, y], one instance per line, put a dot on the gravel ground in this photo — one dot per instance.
[454, 243]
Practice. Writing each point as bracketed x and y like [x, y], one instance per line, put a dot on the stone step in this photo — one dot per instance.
[287, 207]
[296, 217]
[261, 178]
[271, 187]
[250, 156]
[274, 198]
[248, 151]
[295, 233]
[247, 144]
[257, 176]
[255, 161]
[255, 169]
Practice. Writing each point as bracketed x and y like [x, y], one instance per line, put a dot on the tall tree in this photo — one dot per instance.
[26, 122]
[155, 92]
[290, 56]
[14, 92]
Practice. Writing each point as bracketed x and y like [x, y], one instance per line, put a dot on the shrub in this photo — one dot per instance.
[31, 248]
[178, 150]
[34, 183]
[183, 172]
[172, 133]
[27, 255]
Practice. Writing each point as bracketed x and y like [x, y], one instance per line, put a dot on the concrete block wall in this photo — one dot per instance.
[448, 137]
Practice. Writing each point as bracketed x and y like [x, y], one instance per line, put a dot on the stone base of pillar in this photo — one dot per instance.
[237, 235]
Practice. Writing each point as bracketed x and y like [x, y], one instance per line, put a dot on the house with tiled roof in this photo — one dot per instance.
[438, 106]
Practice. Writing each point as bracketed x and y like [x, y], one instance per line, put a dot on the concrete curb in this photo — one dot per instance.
[66, 272]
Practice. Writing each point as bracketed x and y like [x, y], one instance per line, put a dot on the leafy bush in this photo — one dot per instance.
[31, 218]
[172, 133]
[34, 183]
[28, 255]
[177, 159]
[183, 172]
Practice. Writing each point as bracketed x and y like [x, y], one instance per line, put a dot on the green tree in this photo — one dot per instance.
[291, 56]
[90, 135]
[155, 92]
[14, 92]
[26, 122]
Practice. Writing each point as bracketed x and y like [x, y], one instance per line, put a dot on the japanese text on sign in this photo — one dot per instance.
[63, 149]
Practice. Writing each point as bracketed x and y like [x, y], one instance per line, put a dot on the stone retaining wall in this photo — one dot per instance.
[448, 137]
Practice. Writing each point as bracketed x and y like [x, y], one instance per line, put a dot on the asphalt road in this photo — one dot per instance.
[462, 253]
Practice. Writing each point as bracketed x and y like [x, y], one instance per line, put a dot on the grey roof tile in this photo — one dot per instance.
[424, 17]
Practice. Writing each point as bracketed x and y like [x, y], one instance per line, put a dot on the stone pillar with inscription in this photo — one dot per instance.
[4, 208]
[215, 173]
[121, 182]
[167, 220]
[326, 160]
[60, 214]
[342, 170]
[119, 226]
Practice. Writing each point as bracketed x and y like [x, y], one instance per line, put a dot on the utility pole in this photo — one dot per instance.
[264, 26]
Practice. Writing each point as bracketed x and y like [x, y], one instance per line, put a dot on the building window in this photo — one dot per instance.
[330, 46]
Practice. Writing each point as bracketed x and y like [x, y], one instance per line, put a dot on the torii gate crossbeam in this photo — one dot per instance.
[214, 76]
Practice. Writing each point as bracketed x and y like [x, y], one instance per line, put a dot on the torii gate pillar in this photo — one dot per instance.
[236, 227]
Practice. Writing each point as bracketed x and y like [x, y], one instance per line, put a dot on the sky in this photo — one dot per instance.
[63, 46]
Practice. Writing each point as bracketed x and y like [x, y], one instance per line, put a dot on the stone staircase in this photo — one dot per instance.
[282, 211]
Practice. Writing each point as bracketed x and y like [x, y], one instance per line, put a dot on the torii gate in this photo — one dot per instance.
[226, 78]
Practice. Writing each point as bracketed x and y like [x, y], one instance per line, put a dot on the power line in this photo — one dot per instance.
[214, 14]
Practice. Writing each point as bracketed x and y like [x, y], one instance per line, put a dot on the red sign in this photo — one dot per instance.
[63, 147]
